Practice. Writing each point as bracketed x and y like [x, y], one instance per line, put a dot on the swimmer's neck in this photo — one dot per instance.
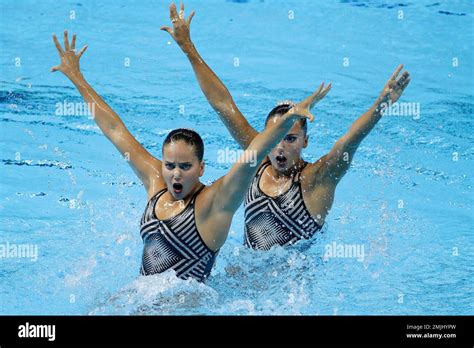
[293, 170]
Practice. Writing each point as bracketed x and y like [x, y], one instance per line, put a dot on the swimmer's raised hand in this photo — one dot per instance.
[180, 31]
[303, 109]
[69, 58]
[395, 86]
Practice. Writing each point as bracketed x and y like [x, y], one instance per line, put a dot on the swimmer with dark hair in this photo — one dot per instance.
[288, 199]
[185, 222]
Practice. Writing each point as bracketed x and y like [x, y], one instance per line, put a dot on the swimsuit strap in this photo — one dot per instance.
[256, 179]
[262, 168]
[157, 196]
[297, 177]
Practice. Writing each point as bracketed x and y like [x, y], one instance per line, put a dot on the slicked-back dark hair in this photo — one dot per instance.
[190, 137]
[282, 109]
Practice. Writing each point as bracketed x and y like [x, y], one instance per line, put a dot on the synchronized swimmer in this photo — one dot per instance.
[185, 222]
[286, 199]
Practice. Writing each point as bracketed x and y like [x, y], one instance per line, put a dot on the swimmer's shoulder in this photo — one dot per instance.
[154, 189]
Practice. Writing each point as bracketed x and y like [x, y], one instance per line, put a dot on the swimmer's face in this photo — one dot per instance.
[288, 151]
[181, 168]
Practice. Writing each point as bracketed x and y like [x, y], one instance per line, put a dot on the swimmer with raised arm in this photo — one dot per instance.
[185, 222]
[289, 198]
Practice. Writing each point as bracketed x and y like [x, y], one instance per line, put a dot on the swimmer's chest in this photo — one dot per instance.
[166, 209]
[317, 196]
[213, 234]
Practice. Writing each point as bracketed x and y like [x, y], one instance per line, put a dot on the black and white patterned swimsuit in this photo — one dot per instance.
[174, 243]
[281, 220]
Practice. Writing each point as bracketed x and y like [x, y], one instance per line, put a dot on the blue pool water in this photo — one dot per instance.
[407, 199]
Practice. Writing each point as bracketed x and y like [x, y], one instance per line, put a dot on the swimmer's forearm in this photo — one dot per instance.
[219, 97]
[271, 136]
[234, 185]
[364, 125]
[391, 92]
[103, 115]
[215, 91]
[338, 160]
[147, 167]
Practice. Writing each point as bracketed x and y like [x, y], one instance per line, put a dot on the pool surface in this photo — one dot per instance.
[402, 217]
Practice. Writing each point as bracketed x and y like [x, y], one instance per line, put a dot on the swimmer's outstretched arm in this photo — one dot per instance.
[229, 191]
[336, 163]
[147, 167]
[212, 87]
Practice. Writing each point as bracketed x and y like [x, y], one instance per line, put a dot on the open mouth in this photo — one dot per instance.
[177, 187]
[281, 160]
